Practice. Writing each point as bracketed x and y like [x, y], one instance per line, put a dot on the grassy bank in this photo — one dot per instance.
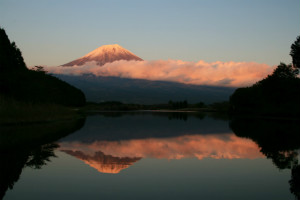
[30, 135]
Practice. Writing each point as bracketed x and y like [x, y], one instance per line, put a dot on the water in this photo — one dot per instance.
[154, 156]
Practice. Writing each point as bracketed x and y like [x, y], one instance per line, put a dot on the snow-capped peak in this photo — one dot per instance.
[105, 54]
[110, 49]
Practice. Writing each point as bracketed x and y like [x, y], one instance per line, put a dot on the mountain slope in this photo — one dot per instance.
[105, 54]
[100, 89]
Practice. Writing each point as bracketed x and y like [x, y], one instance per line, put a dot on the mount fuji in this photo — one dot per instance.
[141, 91]
[105, 54]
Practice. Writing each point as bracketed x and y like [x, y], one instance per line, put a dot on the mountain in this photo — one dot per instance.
[105, 54]
[100, 89]
[139, 91]
[104, 163]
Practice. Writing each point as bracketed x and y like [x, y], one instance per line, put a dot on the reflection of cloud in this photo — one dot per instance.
[199, 73]
[215, 146]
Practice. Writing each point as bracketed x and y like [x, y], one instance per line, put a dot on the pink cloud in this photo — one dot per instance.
[234, 74]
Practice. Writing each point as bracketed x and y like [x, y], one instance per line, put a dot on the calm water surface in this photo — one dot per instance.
[156, 156]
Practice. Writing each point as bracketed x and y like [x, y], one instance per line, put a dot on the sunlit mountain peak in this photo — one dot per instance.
[105, 54]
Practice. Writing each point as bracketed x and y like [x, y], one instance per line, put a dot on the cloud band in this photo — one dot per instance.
[231, 74]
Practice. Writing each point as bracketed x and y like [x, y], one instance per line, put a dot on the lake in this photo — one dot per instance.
[151, 155]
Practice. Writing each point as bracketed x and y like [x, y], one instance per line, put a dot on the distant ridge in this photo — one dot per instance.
[126, 90]
[105, 54]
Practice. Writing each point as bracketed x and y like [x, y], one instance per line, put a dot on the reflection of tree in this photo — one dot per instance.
[12, 163]
[283, 159]
[41, 155]
[22, 136]
[10, 170]
[29, 146]
[175, 115]
[178, 116]
[278, 140]
[295, 181]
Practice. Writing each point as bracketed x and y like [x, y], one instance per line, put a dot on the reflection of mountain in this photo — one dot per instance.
[104, 163]
[145, 125]
[225, 146]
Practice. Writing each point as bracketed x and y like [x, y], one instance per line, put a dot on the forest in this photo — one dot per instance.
[276, 95]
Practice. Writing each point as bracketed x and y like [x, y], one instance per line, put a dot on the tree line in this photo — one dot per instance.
[277, 94]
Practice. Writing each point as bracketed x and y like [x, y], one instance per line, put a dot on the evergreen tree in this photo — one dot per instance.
[295, 53]
[10, 55]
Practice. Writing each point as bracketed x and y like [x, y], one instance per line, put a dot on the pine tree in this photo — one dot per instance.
[10, 55]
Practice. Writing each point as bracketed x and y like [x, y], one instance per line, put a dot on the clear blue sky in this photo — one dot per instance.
[51, 32]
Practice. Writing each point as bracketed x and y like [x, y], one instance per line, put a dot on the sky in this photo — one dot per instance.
[52, 32]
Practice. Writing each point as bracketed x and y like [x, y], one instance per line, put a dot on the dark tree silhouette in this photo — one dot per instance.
[285, 71]
[32, 86]
[178, 104]
[10, 56]
[295, 181]
[40, 69]
[278, 94]
[295, 53]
